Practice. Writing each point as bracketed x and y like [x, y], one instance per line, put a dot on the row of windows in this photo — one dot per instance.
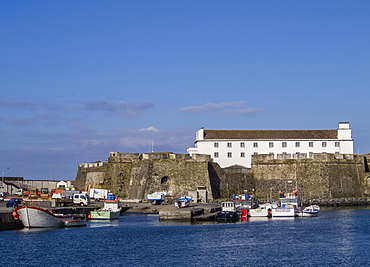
[271, 144]
[242, 154]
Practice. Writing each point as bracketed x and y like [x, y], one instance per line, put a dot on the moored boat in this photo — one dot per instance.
[228, 212]
[310, 211]
[264, 210]
[183, 202]
[110, 211]
[244, 203]
[289, 205]
[35, 217]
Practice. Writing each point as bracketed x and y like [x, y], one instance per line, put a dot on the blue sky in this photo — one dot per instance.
[82, 78]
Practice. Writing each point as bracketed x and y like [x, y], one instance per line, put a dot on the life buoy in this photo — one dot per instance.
[33, 204]
[24, 203]
[15, 215]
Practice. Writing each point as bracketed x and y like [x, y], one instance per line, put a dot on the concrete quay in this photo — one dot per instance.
[196, 211]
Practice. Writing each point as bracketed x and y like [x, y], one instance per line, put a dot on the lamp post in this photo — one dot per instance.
[19, 166]
[2, 170]
[53, 171]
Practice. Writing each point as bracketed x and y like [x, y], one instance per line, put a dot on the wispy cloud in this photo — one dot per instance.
[126, 109]
[17, 105]
[236, 107]
[150, 128]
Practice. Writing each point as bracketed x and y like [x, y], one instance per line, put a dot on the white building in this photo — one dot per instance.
[231, 147]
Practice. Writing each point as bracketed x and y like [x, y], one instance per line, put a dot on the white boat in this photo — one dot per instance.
[157, 198]
[34, 217]
[290, 205]
[263, 210]
[183, 202]
[310, 211]
[110, 211]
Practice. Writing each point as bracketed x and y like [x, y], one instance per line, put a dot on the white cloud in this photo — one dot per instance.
[150, 128]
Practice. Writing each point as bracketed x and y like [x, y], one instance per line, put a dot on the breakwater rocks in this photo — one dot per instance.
[338, 202]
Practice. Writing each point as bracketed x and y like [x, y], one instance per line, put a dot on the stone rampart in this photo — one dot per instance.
[133, 176]
[319, 176]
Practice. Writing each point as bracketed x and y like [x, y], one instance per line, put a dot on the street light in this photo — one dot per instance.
[2, 170]
[53, 171]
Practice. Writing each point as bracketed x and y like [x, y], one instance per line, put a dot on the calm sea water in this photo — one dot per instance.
[336, 237]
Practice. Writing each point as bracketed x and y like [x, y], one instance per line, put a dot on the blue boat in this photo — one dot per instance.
[157, 198]
[183, 202]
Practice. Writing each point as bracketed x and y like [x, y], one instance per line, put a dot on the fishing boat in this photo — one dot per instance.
[228, 212]
[183, 202]
[263, 210]
[290, 205]
[35, 217]
[310, 211]
[244, 203]
[157, 198]
[110, 211]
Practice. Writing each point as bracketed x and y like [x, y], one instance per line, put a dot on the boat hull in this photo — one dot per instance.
[259, 212]
[33, 217]
[283, 212]
[104, 215]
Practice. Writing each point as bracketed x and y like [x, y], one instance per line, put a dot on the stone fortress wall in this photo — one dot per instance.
[133, 175]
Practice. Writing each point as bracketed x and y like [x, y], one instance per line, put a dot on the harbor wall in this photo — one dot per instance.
[317, 176]
[132, 176]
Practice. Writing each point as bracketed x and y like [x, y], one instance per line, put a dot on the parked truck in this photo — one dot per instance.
[98, 194]
[80, 198]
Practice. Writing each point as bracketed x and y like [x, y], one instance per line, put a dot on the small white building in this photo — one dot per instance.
[231, 147]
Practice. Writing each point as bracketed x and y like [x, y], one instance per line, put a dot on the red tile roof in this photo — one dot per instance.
[270, 134]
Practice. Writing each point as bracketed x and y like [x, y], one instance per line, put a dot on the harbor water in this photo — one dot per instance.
[334, 238]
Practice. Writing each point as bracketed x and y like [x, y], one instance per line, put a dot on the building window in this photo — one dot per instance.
[229, 144]
[271, 144]
[242, 155]
[337, 144]
[216, 155]
[297, 144]
[242, 144]
[284, 153]
[284, 144]
[323, 144]
[229, 154]
[310, 144]
[255, 144]
[337, 153]
[271, 153]
[215, 145]
[255, 153]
